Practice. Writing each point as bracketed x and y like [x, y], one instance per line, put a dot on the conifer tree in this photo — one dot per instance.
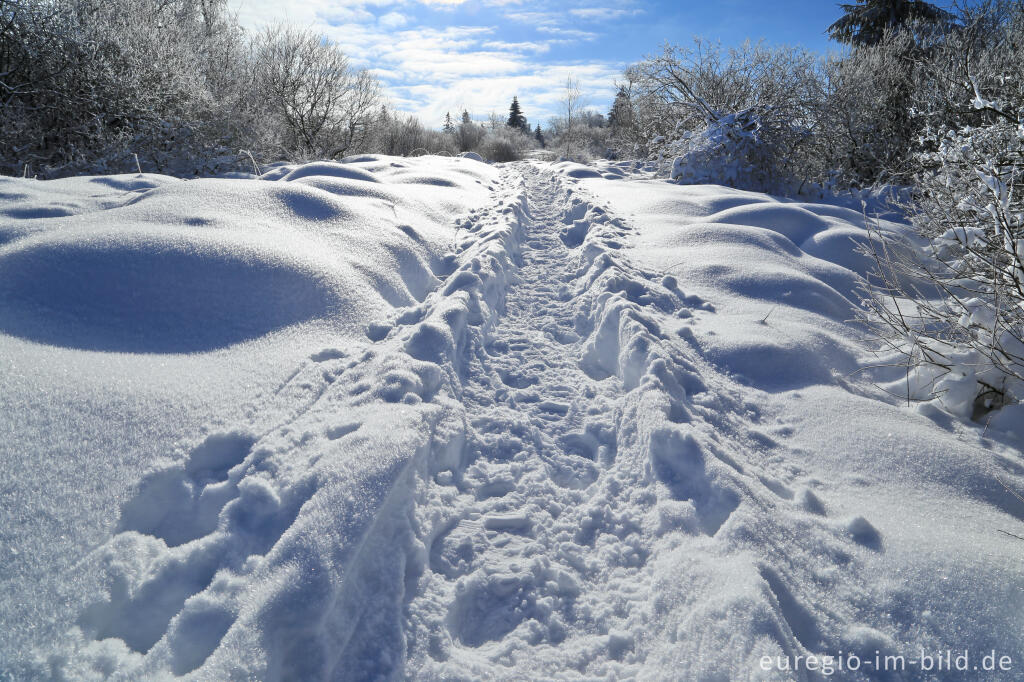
[620, 116]
[448, 127]
[539, 136]
[515, 117]
[865, 23]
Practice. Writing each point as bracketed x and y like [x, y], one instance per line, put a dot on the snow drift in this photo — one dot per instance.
[434, 418]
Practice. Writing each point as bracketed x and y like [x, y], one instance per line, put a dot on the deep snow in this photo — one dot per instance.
[440, 419]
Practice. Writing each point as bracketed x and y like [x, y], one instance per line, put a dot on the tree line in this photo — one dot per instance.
[177, 86]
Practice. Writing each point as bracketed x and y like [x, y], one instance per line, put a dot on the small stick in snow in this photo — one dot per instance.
[764, 320]
[987, 423]
[1002, 483]
[251, 158]
[137, 164]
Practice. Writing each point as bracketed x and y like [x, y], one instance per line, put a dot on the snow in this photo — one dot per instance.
[440, 419]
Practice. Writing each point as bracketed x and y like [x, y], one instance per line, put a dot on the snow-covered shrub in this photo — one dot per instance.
[747, 113]
[86, 86]
[733, 149]
[955, 310]
[88, 83]
[403, 135]
[867, 120]
[505, 144]
[589, 132]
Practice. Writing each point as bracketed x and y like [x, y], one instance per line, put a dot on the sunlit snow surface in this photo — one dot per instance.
[435, 418]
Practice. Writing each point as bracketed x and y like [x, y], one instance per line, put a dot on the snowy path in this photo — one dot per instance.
[525, 474]
[542, 432]
[595, 485]
[540, 464]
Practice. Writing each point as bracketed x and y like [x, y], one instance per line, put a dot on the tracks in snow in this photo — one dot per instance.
[527, 474]
[508, 562]
[609, 509]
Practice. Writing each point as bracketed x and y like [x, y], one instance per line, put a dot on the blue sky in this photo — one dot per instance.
[448, 55]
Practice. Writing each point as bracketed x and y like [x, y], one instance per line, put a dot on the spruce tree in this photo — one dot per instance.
[515, 117]
[449, 127]
[865, 23]
[621, 114]
[465, 117]
[539, 136]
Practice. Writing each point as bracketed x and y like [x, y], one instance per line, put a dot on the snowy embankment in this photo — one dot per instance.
[427, 417]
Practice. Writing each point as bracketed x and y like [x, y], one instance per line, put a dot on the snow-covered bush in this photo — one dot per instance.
[867, 120]
[468, 135]
[955, 310]
[87, 84]
[747, 114]
[403, 135]
[589, 135]
[735, 149]
[504, 144]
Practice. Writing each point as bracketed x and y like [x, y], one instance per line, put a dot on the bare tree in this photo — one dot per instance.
[305, 79]
[357, 113]
[572, 104]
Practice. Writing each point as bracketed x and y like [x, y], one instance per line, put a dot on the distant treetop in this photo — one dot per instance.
[866, 22]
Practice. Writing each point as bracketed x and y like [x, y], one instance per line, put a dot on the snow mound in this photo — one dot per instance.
[150, 292]
[571, 169]
[150, 330]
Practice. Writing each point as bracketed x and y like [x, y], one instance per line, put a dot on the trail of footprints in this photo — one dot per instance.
[542, 493]
[510, 537]
[190, 520]
[542, 429]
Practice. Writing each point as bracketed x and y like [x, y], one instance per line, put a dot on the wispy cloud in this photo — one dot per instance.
[568, 32]
[523, 46]
[429, 66]
[533, 17]
[603, 13]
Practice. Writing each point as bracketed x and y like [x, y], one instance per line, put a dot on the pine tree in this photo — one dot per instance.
[515, 117]
[621, 114]
[466, 118]
[448, 127]
[866, 22]
[539, 136]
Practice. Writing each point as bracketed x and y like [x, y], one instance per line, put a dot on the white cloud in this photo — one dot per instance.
[429, 71]
[532, 17]
[393, 20]
[568, 32]
[603, 13]
[528, 46]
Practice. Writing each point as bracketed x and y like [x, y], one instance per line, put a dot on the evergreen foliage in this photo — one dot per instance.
[867, 22]
[516, 119]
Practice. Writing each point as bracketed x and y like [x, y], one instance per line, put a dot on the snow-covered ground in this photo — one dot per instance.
[438, 419]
